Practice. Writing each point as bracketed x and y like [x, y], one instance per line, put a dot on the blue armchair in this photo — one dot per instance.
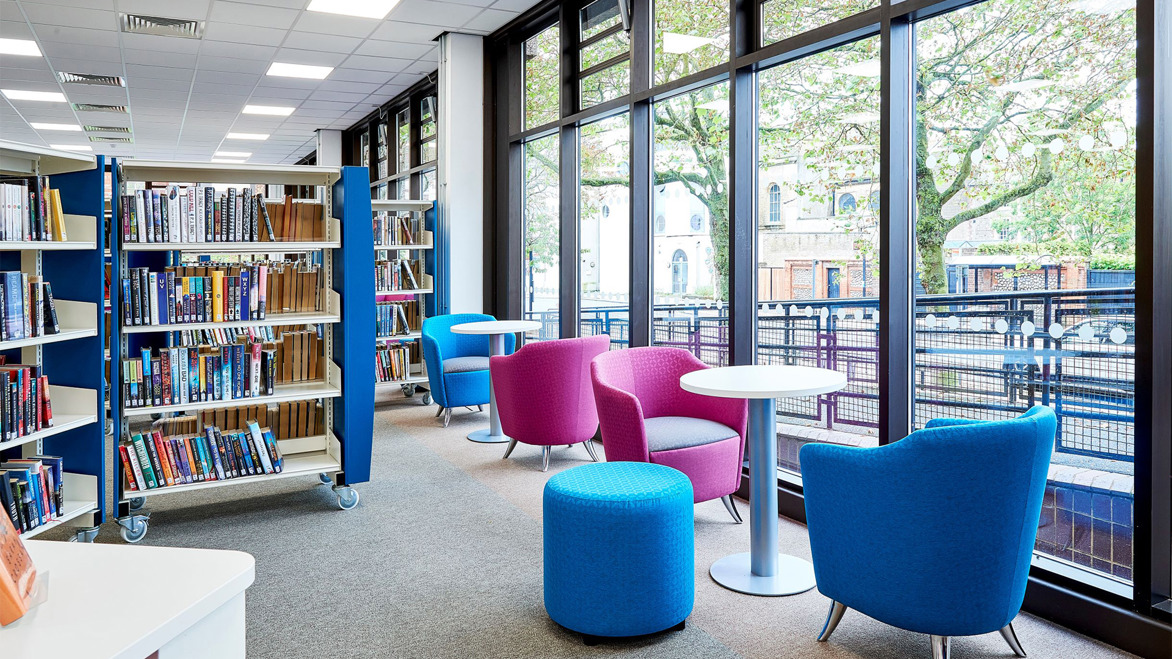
[457, 364]
[933, 533]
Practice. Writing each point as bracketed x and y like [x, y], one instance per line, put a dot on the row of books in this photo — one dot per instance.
[151, 461]
[222, 336]
[392, 363]
[198, 214]
[394, 318]
[288, 419]
[25, 405]
[162, 298]
[299, 354]
[31, 491]
[30, 210]
[291, 286]
[395, 275]
[181, 375]
[27, 306]
[392, 230]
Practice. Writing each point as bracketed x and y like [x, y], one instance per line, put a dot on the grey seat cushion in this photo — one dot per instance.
[465, 364]
[665, 433]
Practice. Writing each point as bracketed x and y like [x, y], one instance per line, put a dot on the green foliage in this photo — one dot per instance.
[1113, 262]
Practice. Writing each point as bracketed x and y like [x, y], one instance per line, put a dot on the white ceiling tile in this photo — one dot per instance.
[490, 19]
[8, 75]
[421, 67]
[408, 32]
[137, 71]
[282, 95]
[263, 36]
[433, 13]
[474, 3]
[360, 75]
[513, 5]
[168, 84]
[389, 64]
[347, 97]
[159, 58]
[393, 49]
[14, 29]
[230, 64]
[54, 50]
[236, 50]
[186, 9]
[235, 12]
[226, 77]
[347, 86]
[158, 43]
[330, 43]
[76, 35]
[47, 15]
[311, 57]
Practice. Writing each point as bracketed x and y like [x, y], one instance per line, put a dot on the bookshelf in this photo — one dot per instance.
[341, 455]
[72, 358]
[404, 231]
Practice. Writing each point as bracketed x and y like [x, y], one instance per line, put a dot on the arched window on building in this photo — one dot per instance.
[679, 272]
[774, 203]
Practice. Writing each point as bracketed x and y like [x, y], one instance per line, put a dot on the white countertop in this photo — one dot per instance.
[119, 601]
[763, 381]
[496, 327]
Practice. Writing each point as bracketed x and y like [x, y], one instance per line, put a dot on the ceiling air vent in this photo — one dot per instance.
[161, 27]
[95, 138]
[91, 79]
[106, 129]
[92, 107]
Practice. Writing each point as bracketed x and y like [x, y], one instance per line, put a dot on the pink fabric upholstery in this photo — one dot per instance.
[543, 392]
[637, 383]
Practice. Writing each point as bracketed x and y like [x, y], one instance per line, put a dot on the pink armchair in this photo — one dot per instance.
[646, 417]
[543, 394]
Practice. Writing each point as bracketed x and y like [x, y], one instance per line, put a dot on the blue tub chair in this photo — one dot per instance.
[933, 533]
[457, 364]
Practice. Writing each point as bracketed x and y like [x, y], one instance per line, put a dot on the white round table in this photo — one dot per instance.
[763, 570]
[496, 331]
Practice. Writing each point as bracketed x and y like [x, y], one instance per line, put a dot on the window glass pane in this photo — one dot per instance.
[690, 36]
[403, 139]
[1026, 247]
[606, 85]
[364, 149]
[383, 152]
[427, 151]
[427, 117]
[689, 272]
[427, 183]
[786, 18]
[541, 83]
[818, 275]
[597, 16]
[541, 215]
[600, 51]
[604, 228]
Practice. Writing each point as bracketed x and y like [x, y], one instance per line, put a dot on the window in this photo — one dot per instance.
[690, 36]
[1047, 127]
[660, 224]
[774, 203]
[786, 18]
[427, 130]
[403, 140]
[817, 277]
[604, 53]
[542, 242]
[427, 191]
[541, 82]
[604, 229]
[690, 272]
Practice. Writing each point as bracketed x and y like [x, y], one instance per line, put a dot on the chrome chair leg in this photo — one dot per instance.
[731, 507]
[941, 648]
[509, 450]
[1011, 638]
[479, 408]
[439, 410]
[545, 451]
[832, 620]
[590, 449]
[447, 417]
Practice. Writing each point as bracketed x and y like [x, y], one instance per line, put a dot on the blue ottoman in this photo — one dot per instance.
[619, 557]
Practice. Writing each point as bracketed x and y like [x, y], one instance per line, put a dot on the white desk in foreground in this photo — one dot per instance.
[128, 602]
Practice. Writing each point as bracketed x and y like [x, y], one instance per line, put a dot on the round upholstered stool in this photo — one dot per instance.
[619, 556]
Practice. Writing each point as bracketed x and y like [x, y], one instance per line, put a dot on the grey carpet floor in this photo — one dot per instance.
[442, 558]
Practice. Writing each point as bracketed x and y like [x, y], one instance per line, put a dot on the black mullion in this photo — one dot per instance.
[508, 277]
[830, 36]
[568, 257]
[641, 313]
[896, 230]
[1153, 307]
[742, 248]
[568, 65]
[604, 65]
[593, 39]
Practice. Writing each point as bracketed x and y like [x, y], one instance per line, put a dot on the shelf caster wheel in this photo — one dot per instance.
[85, 535]
[408, 390]
[136, 503]
[325, 479]
[426, 400]
[347, 496]
[134, 527]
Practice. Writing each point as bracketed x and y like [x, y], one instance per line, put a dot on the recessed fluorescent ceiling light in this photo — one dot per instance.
[23, 47]
[227, 161]
[55, 126]
[247, 136]
[25, 95]
[71, 147]
[286, 70]
[362, 8]
[233, 154]
[268, 109]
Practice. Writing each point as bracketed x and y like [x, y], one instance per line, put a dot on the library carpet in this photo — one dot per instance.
[442, 558]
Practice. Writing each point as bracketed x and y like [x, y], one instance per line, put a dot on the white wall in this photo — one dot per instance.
[329, 147]
[461, 166]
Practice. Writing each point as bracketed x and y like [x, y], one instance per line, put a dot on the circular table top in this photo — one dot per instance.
[763, 381]
[496, 327]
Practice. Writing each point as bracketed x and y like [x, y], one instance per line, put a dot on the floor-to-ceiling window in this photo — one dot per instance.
[604, 228]
[1025, 238]
[542, 234]
[817, 238]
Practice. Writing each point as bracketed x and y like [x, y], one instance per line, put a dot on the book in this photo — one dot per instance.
[18, 575]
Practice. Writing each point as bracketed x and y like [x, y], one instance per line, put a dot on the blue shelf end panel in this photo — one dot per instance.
[353, 280]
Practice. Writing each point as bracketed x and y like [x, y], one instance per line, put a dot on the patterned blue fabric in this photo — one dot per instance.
[933, 533]
[441, 343]
[619, 554]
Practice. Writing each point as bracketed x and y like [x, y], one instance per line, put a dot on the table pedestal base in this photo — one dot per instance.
[485, 436]
[735, 572]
